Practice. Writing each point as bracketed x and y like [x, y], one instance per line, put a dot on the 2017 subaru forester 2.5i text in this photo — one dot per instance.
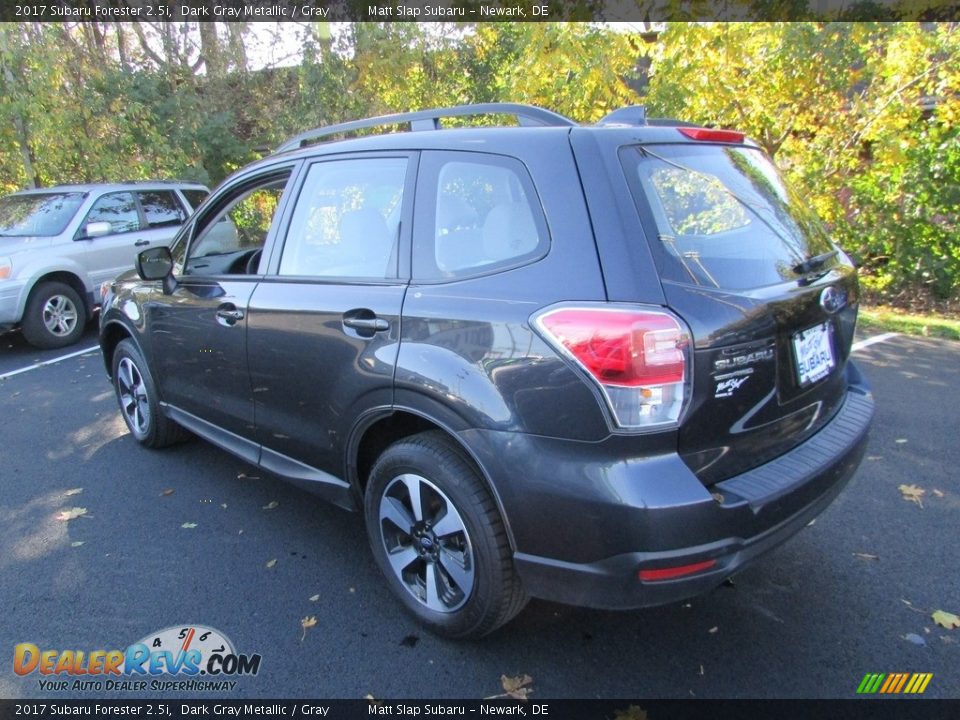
[604, 365]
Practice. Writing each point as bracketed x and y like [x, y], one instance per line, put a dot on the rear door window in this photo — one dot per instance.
[722, 216]
[161, 208]
[477, 213]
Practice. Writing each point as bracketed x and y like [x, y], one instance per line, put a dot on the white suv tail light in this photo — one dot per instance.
[638, 357]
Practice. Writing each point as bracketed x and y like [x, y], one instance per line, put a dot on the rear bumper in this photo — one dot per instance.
[590, 526]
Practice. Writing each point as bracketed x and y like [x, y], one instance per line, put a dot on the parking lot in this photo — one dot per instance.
[190, 535]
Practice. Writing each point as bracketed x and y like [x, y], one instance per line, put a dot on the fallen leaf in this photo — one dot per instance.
[901, 441]
[713, 629]
[912, 493]
[271, 505]
[271, 563]
[938, 493]
[946, 619]
[915, 639]
[634, 712]
[517, 687]
[189, 525]
[76, 543]
[244, 476]
[74, 491]
[947, 639]
[307, 623]
[167, 492]
[811, 522]
[71, 514]
[866, 556]
[223, 505]
[701, 671]
[314, 598]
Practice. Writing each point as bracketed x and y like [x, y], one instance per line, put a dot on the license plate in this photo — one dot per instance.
[813, 354]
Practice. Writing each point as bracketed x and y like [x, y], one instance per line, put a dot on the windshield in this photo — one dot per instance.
[724, 217]
[42, 215]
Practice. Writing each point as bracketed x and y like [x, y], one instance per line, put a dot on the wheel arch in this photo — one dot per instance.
[62, 276]
[111, 335]
[379, 428]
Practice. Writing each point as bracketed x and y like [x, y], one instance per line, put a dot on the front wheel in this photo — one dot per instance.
[138, 400]
[54, 317]
[438, 538]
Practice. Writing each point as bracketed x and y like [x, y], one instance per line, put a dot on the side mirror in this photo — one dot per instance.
[155, 263]
[96, 229]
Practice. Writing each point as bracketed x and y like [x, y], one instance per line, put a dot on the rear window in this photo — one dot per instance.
[194, 196]
[41, 215]
[721, 216]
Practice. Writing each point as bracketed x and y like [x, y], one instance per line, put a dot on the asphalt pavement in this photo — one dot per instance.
[189, 535]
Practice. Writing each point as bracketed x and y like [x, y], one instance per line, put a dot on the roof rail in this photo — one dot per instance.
[526, 115]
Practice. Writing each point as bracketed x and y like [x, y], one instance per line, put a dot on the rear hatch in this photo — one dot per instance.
[769, 299]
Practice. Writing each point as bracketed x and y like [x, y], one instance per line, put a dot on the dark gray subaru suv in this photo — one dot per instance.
[603, 365]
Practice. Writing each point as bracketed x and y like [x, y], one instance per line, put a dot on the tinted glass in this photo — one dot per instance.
[484, 216]
[118, 209]
[41, 215]
[195, 197]
[723, 216]
[161, 208]
[347, 220]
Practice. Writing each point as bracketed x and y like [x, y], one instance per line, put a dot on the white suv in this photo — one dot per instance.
[58, 244]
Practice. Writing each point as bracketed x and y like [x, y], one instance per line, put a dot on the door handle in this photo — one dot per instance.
[228, 315]
[373, 324]
[141, 243]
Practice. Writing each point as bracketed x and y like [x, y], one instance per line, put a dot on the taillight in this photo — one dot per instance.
[639, 358]
[713, 135]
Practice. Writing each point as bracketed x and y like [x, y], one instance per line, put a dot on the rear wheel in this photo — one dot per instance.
[138, 400]
[54, 317]
[438, 538]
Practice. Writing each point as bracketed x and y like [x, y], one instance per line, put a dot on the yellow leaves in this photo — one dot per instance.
[307, 623]
[946, 619]
[314, 598]
[167, 492]
[516, 687]
[271, 563]
[74, 491]
[72, 514]
[912, 493]
[188, 525]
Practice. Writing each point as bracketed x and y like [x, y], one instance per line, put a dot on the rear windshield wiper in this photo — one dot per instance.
[815, 263]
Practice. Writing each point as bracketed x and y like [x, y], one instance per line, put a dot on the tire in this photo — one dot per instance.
[452, 567]
[55, 316]
[138, 400]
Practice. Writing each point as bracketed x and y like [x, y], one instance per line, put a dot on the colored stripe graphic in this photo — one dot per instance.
[894, 683]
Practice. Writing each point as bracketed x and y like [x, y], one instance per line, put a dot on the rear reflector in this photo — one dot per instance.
[709, 134]
[675, 572]
[637, 357]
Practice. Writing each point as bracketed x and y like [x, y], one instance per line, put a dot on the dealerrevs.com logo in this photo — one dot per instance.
[198, 657]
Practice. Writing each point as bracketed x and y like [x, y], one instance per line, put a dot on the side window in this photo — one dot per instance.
[194, 196]
[161, 208]
[118, 209]
[347, 220]
[229, 239]
[483, 215]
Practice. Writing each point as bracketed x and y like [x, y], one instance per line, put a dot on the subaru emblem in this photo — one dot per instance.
[833, 300]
